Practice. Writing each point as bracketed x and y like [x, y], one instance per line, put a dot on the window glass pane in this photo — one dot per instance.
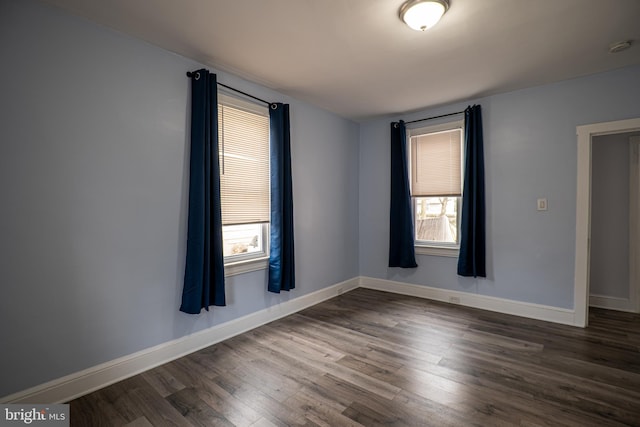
[436, 219]
[242, 239]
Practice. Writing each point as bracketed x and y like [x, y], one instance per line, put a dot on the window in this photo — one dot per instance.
[243, 131]
[436, 187]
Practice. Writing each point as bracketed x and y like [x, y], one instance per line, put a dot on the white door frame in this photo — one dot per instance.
[634, 224]
[585, 135]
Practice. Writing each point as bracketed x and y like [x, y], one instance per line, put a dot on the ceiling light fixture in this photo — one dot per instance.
[421, 15]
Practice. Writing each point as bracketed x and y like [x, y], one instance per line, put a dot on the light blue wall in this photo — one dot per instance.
[93, 187]
[530, 150]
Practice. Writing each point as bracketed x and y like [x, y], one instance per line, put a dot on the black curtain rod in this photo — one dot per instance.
[190, 74]
[436, 117]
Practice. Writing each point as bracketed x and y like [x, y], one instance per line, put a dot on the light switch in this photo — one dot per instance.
[542, 204]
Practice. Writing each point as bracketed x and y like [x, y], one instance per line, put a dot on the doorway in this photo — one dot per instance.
[586, 135]
[613, 217]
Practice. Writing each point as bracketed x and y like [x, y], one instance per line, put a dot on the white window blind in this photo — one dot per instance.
[244, 161]
[436, 160]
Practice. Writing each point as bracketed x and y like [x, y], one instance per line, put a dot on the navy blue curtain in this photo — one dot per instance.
[471, 261]
[281, 256]
[401, 249]
[204, 269]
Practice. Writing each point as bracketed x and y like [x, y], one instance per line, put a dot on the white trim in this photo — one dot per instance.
[451, 252]
[500, 305]
[583, 229]
[80, 383]
[585, 134]
[634, 223]
[247, 266]
[611, 303]
[230, 98]
[440, 127]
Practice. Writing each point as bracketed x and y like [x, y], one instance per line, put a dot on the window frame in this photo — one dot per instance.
[429, 247]
[248, 256]
[246, 262]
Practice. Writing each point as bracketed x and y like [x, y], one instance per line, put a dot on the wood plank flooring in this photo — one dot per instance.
[370, 358]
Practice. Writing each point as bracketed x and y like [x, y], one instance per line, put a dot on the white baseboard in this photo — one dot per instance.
[611, 303]
[80, 383]
[500, 305]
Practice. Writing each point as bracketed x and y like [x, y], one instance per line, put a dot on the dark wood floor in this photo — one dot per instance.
[371, 358]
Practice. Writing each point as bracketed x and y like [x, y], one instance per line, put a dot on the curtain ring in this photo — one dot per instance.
[197, 75]
[273, 106]
[395, 125]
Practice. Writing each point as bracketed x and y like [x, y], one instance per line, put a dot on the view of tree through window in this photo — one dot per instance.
[242, 239]
[437, 219]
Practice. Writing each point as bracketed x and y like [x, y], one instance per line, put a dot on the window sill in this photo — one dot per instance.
[240, 267]
[451, 252]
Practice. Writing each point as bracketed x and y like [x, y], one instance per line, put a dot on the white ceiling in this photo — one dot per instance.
[357, 59]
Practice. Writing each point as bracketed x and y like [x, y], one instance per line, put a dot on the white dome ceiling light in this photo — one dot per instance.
[421, 15]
